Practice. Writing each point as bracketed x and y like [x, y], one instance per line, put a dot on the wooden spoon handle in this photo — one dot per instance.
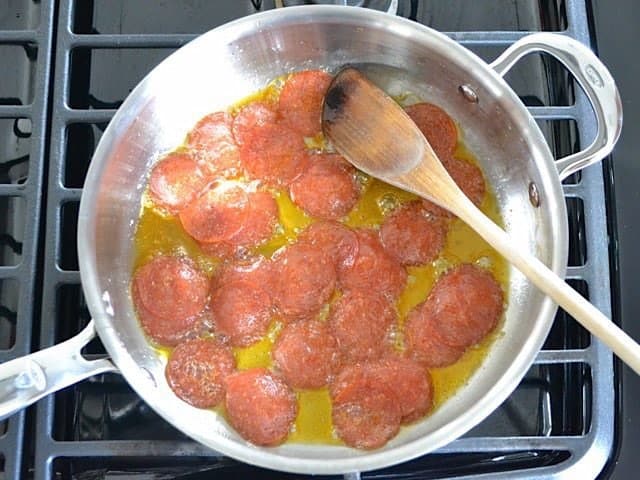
[577, 306]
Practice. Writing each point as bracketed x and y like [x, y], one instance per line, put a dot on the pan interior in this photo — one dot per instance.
[235, 60]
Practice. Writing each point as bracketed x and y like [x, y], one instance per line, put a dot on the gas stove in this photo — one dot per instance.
[68, 65]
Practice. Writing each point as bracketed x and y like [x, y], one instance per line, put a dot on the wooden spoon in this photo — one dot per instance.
[378, 137]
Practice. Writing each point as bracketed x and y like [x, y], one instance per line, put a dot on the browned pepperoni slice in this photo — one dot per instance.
[175, 181]
[241, 312]
[467, 304]
[437, 126]
[249, 120]
[361, 321]
[197, 370]
[424, 344]
[300, 103]
[411, 384]
[468, 177]
[217, 215]
[306, 354]
[333, 238]
[327, 189]
[373, 269]
[307, 278]
[171, 287]
[275, 154]
[212, 143]
[413, 237]
[260, 406]
[365, 412]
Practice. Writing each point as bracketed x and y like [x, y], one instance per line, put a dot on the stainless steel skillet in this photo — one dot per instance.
[234, 60]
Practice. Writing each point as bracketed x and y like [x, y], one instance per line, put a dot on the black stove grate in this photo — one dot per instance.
[562, 411]
[25, 49]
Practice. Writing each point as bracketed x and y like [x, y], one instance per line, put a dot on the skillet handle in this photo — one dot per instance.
[27, 379]
[592, 76]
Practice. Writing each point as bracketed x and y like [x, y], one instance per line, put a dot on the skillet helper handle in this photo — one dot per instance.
[27, 379]
[592, 76]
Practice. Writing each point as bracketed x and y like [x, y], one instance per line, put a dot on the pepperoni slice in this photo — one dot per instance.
[424, 345]
[365, 412]
[361, 321]
[437, 126]
[300, 103]
[166, 331]
[249, 120]
[212, 143]
[306, 354]
[260, 406]
[413, 237]
[411, 384]
[468, 177]
[373, 269]
[217, 215]
[470, 180]
[274, 154]
[260, 219]
[175, 181]
[197, 369]
[327, 189]
[307, 278]
[467, 304]
[171, 287]
[334, 239]
[257, 270]
[241, 312]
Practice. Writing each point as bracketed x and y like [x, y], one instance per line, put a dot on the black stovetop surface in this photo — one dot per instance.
[100, 428]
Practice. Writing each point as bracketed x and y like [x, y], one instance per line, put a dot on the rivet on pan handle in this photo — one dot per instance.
[595, 80]
[27, 379]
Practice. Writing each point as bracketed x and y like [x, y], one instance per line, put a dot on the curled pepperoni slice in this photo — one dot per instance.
[411, 384]
[361, 322]
[334, 239]
[307, 278]
[197, 369]
[260, 406]
[218, 214]
[175, 181]
[274, 154]
[470, 180]
[437, 126]
[467, 303]
[241, 312]
[306, 354]
[248, 121]
[327, 189]
[373, 269]
[365, 412]
[171, 287]
[413, 237]
[300, 103]
[213, 145]
[423, 343]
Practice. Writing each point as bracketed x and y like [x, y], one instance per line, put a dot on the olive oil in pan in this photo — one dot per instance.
[161, 233]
